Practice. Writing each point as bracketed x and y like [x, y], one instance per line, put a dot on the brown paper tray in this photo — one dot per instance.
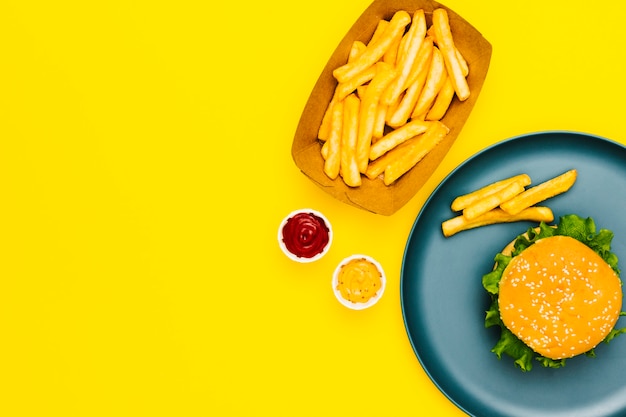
[373, 195]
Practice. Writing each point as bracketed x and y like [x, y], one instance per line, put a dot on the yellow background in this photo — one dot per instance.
[145, 167]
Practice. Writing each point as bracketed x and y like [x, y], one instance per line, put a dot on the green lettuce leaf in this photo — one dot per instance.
[583, 230]
[492, 279]
[515, 348]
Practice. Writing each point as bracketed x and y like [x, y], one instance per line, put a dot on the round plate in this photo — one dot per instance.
[444, 303]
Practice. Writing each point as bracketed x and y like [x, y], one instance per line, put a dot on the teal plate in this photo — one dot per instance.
[443, 302]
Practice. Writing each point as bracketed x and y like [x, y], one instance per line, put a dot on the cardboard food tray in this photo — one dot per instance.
[373, 195]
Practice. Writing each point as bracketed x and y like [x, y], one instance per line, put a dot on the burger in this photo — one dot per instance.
[555, 293]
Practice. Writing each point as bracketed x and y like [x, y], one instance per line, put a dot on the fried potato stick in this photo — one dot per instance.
[396, 137]
[416, 152]
[416, 35]
[334, 129]
[324, 130]
[541, 192]
[446, 45]
[375, 51]
[378, 32]
[462, 62]
[442, 102]
[392, 108]
[357, 49]
[343, 89]
[458, 224]
[464, 66]
[402, 45]
[369, 108]
[422, 61]
[494, 200]
[465, 200]
[379, 123]
[377, 167]
[349, 169]
[402, 112]
[391, 55]
[434, 81]
[332, 147]
[360, 91]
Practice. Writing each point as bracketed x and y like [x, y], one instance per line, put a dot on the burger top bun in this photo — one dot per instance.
[559, 297]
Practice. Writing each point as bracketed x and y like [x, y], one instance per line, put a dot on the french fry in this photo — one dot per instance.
[391, 54]
[378, 32]
[402, 46]
[442, 102]
[431, 32]
[360, 91]
[349, 169]
[374, 52]
[434, 82]
[396, 137]
[357, 49]
[416, 152]
[335, 121]
[448, 49]
[379, 123]
[494, 200]
[462, 61]
[392, 108]
[377, 167]
[422, 61]
[421, 117]
[541, 192]
[332, 147]
[416, 34]
[466, 200]
[457, 224]
[324, 130]
[343, 89]
[369, 108]
[403, 111]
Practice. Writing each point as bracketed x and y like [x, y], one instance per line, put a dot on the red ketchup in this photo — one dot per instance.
[305, 235]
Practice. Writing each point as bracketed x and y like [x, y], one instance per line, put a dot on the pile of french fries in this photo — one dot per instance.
[385, 114]
[506, 201]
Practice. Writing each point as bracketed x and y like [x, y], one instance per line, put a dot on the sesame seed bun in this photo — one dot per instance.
[559, 297]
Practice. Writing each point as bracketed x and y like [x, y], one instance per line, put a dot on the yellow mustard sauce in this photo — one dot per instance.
[359, 280]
